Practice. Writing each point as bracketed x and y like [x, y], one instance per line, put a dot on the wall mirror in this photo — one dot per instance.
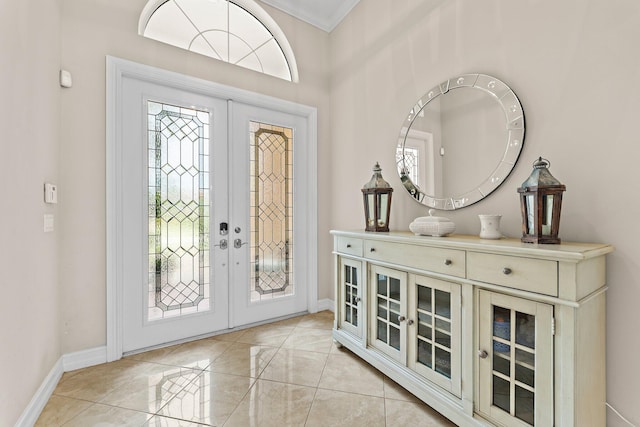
[460, 141]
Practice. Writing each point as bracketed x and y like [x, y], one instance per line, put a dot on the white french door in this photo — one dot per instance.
[174, 169]
[264, 196]
[205, 194]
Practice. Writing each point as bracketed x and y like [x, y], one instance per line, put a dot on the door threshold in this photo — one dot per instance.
[213, 334]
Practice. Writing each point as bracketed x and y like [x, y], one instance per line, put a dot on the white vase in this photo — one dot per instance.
[490, 226]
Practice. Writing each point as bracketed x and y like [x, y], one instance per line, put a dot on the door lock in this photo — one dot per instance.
[224, 228]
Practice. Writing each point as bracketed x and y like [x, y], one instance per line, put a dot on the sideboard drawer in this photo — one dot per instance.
[528, 274]
[439, 260]
[349, 245]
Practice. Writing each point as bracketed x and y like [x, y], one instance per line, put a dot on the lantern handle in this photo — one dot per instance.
[541, 163]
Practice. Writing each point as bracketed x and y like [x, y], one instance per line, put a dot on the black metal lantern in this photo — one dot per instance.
[377, 202]
[541, 203]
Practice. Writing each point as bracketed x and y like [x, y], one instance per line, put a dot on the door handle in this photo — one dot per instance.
[223, 244]
[237, 243]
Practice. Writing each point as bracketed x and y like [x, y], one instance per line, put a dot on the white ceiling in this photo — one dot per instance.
[324, 14]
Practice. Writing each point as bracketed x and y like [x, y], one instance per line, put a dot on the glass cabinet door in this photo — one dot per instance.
[434, 333]
[350, 282]
[388, 311]
[515, 360]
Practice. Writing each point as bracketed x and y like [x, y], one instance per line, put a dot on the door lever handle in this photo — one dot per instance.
[237, 243]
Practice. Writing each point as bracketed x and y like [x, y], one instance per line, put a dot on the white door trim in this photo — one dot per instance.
[116, 69]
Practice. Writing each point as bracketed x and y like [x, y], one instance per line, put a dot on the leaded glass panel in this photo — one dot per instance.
[178, 214]
[408, 161]
[271, 211]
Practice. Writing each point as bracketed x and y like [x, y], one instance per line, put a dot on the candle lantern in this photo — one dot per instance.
[541, 203]
[377, 202]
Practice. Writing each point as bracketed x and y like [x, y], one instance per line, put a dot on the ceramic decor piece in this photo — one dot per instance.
[432, 225]
[490, 226]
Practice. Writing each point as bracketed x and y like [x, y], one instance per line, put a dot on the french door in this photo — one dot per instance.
[207, 191]
[265, 234]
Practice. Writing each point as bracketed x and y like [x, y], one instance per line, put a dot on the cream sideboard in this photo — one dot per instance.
[487, 332]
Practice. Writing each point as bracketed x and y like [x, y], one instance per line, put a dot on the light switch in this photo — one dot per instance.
[48, 223]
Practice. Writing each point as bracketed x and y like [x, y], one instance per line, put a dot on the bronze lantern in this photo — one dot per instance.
[541, 203]
[377, 202]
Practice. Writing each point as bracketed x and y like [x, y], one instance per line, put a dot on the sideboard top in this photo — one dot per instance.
[508, 246]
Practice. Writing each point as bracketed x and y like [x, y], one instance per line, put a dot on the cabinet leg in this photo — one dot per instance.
[338, 344]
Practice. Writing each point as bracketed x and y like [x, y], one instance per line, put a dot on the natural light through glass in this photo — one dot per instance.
[271, 211]
[178, 197]
[227, 30]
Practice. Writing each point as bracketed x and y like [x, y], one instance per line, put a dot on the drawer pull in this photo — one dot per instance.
[348, 245]
[482, 354]
[448, 262]
[372, 250]
[507, 270]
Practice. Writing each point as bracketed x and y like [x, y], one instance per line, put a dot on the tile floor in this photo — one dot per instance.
[287, 373]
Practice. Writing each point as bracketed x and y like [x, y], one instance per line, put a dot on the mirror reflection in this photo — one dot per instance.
[460, 142]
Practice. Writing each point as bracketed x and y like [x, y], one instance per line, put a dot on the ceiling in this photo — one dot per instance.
[324, 14]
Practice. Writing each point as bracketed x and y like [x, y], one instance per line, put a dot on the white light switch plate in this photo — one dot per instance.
[48, 223]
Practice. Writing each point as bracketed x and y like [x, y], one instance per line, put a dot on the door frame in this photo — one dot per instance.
[116, 70]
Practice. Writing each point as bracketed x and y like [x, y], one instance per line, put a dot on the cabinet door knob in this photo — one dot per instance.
[348, 245]
[482, 354]
[372, 250]
[401, 318]
[448, 262]
[356, 300]
[506, 270]
[410, 322]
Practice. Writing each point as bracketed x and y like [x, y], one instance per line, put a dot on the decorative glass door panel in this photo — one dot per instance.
[389, 299]
[351, 290]
[178, 201]
[516, 359]
[174, 181]
[270, 223]
[434, 336]
[271, 211]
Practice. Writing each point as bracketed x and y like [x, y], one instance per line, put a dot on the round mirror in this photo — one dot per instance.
[460, 141]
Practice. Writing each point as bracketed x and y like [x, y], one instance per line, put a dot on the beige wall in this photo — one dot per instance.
[29, 144]
[573, 64]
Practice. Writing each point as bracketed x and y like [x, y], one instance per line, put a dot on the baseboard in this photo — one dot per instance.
[34, 408]
[84, 358]
[68, 362]
[326, 304]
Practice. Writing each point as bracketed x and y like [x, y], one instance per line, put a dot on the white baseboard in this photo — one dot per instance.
[326, 304]
[68, 362]
[34, 408]
[84, 358]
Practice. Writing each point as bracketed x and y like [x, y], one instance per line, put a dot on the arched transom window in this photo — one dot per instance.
[236, 31]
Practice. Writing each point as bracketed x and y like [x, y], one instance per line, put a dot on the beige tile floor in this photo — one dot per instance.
[287, 373]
